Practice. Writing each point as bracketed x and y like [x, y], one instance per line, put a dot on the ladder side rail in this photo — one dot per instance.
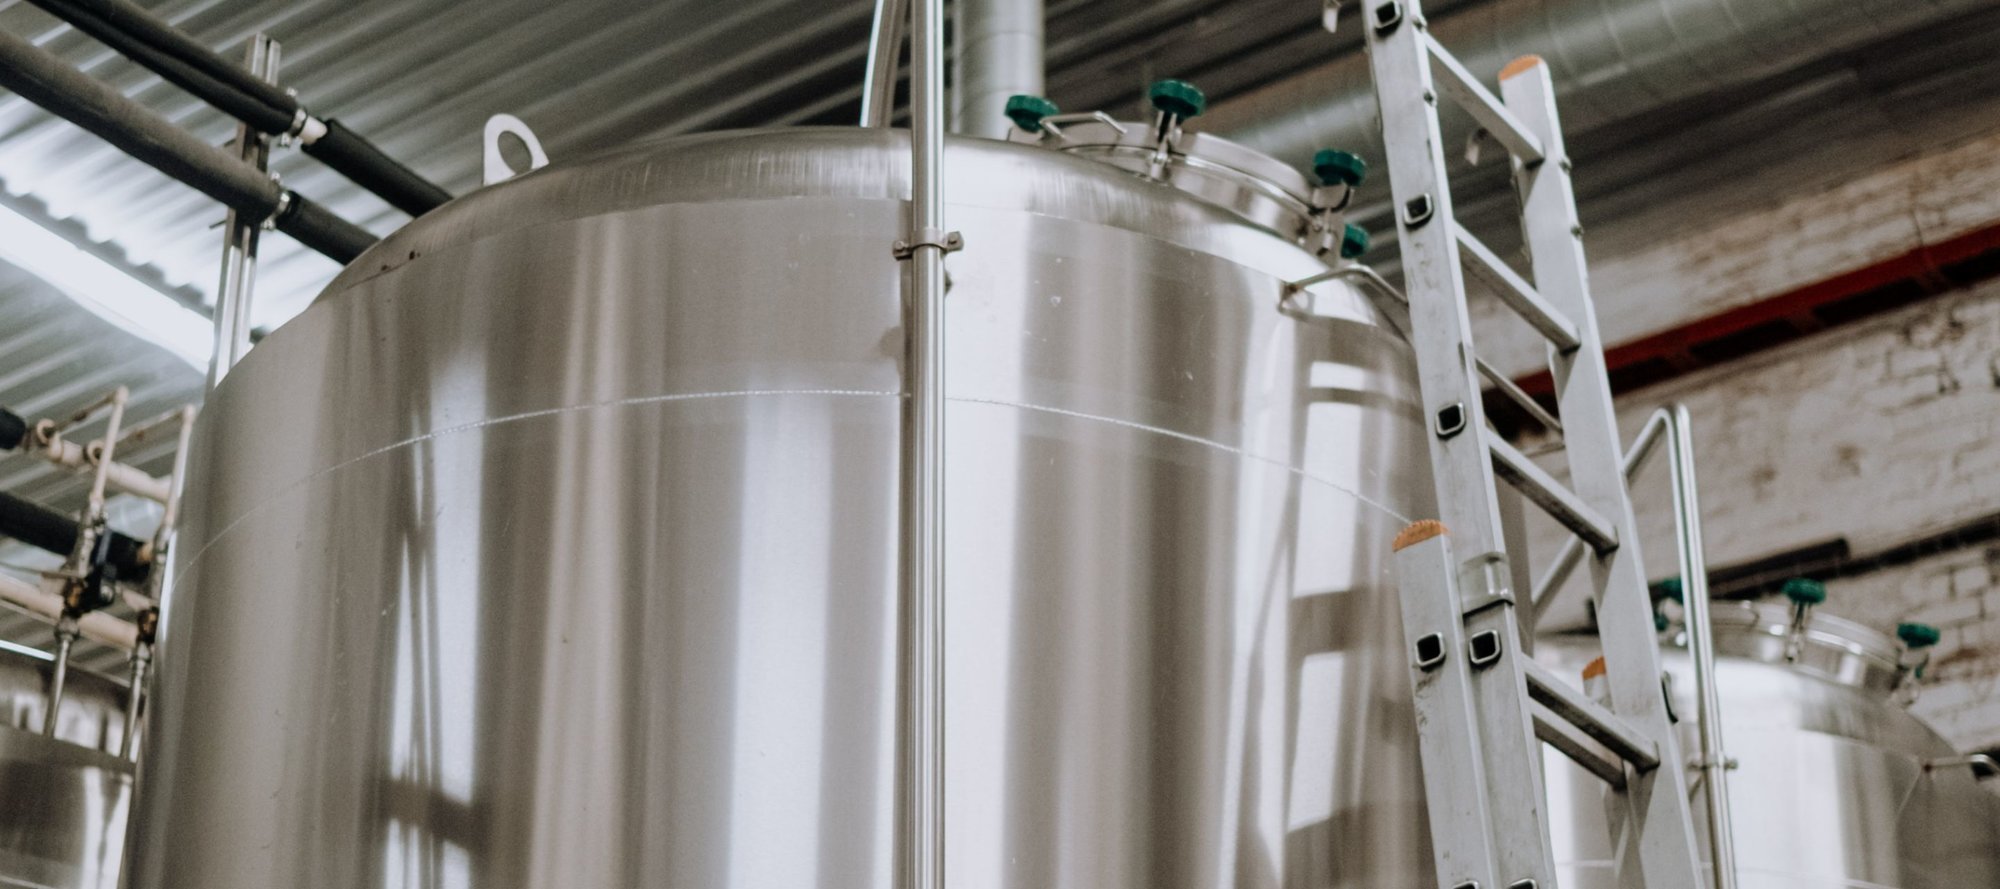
[1441, 331]
[1651, 822]
[1441, 687]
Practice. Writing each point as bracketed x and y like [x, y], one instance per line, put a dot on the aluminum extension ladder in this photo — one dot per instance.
[1483, 706]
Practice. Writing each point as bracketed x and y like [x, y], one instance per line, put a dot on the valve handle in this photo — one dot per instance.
[1027, 112]
[1178, 98]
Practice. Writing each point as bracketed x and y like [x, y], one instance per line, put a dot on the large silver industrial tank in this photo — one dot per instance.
[1831, 788]
[63, 799]
[555, 545]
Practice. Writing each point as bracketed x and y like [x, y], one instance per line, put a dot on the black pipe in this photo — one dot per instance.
[13, 429]
[359, 160]
[159, 46]
[45, 528]
[47, 81]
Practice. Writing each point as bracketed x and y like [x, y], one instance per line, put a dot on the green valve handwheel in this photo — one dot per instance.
[1027, 112]
[1353, 241]
[1178, 98]
[1804, 591]
[1332, 165]
[1671, 588]
[1918, 635]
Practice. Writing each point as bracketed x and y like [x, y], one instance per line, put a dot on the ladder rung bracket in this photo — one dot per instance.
[1568, 704]
[1521, 399]
[1556, 732]
[1485, 108]
[1558, 501]
[1518, 294]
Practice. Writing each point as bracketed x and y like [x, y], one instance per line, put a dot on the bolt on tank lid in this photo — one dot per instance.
[1253, 185]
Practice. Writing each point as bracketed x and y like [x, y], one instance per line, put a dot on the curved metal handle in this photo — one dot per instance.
[1983, 766]
[497, 169]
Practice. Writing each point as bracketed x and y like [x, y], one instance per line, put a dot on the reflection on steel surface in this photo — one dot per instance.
[63, 800]
[1829, 791]
[556, 546]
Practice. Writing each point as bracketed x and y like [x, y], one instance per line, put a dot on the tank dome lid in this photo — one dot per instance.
[1834, 648]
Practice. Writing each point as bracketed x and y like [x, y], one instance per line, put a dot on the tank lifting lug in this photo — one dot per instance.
[949, 242]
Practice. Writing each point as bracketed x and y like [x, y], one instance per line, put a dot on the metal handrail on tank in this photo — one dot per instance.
[1671, 423]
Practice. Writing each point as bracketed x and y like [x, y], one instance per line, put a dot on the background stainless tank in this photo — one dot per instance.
[555, 545]
[1831, 789]
[63, 800]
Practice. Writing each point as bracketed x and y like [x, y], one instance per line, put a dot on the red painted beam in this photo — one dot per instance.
[1849, 296]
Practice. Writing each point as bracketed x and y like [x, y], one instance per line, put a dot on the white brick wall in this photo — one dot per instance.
[1877, 432]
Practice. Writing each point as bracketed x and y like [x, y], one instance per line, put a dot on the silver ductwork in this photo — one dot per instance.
[999, 55]
[1613, 60]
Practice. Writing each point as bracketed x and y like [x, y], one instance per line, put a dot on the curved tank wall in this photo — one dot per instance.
[63, 800]
[555, 546]
[1830, 791]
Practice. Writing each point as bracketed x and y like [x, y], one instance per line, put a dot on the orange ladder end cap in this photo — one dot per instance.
[1593, 669]
[1418, 532]
[1520, 66]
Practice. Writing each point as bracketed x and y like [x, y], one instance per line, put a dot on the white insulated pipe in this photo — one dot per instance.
[95, 626]
[118, 476]
[999, 56]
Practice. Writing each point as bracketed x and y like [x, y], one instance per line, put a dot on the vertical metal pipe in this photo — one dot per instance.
[142, 656]
[156, 582]
[65, 637]
[1571, 554]
[239, 244]
[885, 44]
[999, 48]
[1714, 764]
[923, 518]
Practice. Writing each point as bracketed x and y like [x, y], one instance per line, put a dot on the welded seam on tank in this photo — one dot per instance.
[1195, 439]
[637, 400]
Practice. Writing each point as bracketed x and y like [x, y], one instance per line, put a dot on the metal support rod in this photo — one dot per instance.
[247, 96]
[142, 656]
[66, 633]
[156, 586]
[45, 80]
[885, 45]
[1713, 762]
[239, 235]
[922, 860]
[1571, 554]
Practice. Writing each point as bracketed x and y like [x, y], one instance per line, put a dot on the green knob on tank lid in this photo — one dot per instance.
[1671, 588]
[1804, 591]
[1178, 98]
[1353, 241]
[1027, 112]
[1918, 635]
[1332, 165]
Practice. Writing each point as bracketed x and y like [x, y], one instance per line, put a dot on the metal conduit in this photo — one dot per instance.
[178, 58]
[1612, 60]
[50, 82]
[999, 55]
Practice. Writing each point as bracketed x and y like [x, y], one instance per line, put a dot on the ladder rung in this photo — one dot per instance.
[1604, 727]
[1557, 732]
[1558, 501]
[1480, 102]
[1518, 294]
[1524, 400]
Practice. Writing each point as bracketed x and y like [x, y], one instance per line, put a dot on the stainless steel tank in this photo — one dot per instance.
[1837, 786]
[554, 545]
[63, 799]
